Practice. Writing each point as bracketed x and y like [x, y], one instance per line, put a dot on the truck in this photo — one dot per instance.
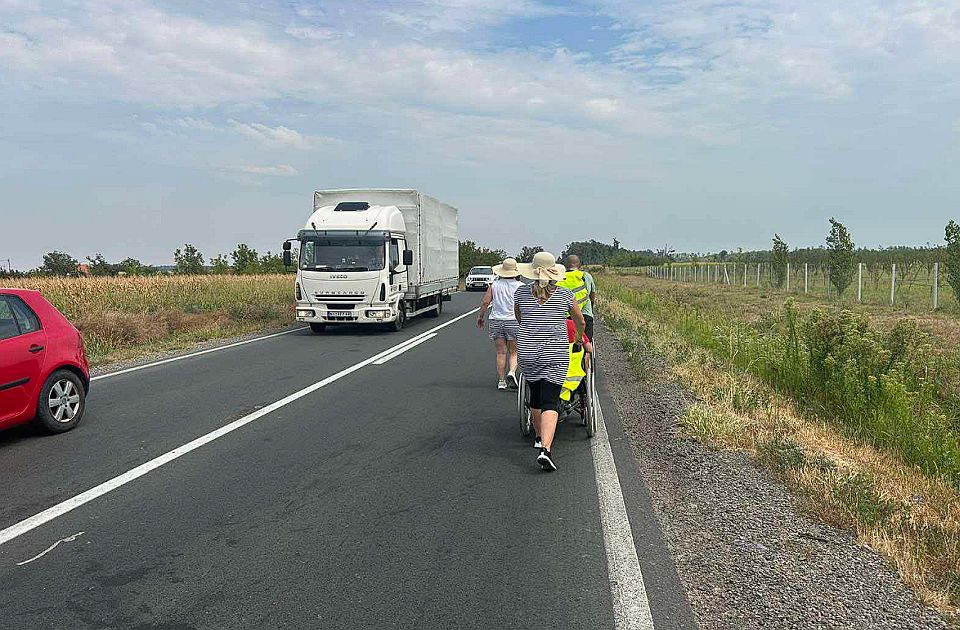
[374, 256]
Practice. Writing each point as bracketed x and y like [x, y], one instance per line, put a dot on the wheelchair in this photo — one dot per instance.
[579, 395]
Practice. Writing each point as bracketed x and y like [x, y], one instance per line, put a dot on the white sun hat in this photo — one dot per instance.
[507, 269]
[543, 267]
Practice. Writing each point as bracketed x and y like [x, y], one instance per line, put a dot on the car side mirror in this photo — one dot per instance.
[407, 257]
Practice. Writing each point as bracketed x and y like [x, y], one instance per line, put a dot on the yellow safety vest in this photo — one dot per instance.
[575, 281]
[575, 374]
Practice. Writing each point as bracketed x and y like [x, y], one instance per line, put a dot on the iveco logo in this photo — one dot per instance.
[338, 276]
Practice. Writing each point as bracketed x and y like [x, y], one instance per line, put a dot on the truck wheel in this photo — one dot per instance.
[318, 328]
[401, 319]
[62, 401]
[436, 312]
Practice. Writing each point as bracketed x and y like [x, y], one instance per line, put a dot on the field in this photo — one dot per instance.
[857, 410]
[122, 318]
[912, 290]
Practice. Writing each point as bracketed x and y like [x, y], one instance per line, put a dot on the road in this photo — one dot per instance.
[340, 493]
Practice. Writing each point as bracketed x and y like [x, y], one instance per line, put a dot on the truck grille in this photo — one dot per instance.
[327, 297]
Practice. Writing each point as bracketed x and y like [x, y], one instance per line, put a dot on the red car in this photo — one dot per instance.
[44, 375]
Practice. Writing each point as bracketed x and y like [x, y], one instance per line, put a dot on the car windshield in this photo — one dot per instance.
[481, 271]
[341, 253]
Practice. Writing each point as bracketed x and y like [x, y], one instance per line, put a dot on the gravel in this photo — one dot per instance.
[746, 555]
[168, 354]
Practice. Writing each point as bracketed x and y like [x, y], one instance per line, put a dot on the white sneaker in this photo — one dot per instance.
[501, 385]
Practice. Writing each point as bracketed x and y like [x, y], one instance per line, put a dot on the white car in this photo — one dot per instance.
[479, 278]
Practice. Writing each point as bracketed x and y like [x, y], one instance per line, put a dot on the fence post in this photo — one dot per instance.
[936, 285]
[806, 277]
[859, 282]
[893, 282]
[758, 275]
[788, 277]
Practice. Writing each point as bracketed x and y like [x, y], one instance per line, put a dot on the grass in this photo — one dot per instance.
[122, 318]
[877, 457]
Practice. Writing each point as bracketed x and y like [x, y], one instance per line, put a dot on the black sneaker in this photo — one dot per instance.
[546, 461]
[512, 380]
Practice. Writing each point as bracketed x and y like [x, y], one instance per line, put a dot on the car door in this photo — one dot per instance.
[22, 342]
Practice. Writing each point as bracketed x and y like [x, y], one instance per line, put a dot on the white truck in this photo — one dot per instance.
[375, 256]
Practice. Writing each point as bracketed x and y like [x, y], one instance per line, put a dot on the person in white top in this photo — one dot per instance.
[503, 321]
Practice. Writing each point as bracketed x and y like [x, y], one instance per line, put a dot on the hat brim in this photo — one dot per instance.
[554, 272]
[505, 273]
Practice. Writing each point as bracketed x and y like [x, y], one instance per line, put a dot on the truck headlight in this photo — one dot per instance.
[376, 314]
[306, 312]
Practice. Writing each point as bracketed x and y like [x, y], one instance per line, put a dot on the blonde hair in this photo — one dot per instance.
[543, 289]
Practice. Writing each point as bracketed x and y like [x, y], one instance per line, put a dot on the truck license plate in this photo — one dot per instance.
[339, 313]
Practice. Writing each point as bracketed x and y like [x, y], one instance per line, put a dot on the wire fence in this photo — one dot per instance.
[909, 285]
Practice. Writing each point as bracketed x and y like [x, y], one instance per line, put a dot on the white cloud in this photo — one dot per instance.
[273, 136]
[280, 170]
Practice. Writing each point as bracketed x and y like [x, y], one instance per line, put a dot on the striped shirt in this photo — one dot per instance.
[542, 347]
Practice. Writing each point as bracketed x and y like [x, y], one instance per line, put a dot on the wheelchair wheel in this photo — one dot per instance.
[590, 403]
[523, 407]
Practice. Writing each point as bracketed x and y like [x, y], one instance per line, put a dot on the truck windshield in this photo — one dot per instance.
[342, 253]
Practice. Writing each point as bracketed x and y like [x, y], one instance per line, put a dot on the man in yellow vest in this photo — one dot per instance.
[584, 290]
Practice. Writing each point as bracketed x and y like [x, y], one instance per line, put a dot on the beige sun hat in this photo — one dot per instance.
[507, 269]
[543, 267]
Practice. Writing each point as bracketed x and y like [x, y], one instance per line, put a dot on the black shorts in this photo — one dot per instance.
[589, 329]
[544, 395]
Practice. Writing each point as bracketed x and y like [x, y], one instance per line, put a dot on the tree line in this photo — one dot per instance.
[243, 260]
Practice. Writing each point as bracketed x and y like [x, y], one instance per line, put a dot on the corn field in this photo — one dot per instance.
[129, 316]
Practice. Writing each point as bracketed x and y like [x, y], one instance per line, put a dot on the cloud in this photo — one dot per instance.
[273, 136]
[280, 170]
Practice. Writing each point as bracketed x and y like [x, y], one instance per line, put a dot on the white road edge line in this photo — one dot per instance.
[193, 354]
[28, 524]
[397, 353]
[631, 609]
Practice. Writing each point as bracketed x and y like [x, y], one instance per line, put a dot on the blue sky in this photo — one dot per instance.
[133, 126]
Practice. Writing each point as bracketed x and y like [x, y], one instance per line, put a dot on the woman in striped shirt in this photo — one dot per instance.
[543, 349]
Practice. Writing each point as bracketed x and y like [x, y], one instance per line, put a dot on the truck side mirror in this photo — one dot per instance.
[287, 259]
[407, 257]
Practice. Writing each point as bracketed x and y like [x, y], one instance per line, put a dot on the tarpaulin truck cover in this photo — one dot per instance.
[432, 232]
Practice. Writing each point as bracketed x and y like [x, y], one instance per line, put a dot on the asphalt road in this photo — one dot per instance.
[397, 495]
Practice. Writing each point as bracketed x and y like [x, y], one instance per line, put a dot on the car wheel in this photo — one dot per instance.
[62, 402]
[318, 328]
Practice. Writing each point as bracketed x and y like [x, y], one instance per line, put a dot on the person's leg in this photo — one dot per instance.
[550, 397]
[535, 405]
[589, 327]
[512, 349]
[501, 344]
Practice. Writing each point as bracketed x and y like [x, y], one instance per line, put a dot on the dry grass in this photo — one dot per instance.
[910, 518]
[122, 318]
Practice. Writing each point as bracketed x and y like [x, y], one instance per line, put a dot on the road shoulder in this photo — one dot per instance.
[746, 556]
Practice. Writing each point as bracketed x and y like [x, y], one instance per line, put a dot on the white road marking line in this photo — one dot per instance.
[397, 353]
[28, 524]
[193, 354]
[631, 609]
[51, 548]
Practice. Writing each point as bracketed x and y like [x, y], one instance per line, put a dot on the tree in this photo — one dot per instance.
[840, 263]
[58, 263]
[189, 260]
[723, 255]
[220, 264]
[272, 263]
[100, 267]
[133, 267]
[245, 260]
[473, 255]
[528, 252]
[953, 256]
[779, 260]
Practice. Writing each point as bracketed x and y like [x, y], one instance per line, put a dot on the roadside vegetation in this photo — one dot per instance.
[859, 414]
[127, 317]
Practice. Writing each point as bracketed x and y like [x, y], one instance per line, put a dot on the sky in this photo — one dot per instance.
[130, 127]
